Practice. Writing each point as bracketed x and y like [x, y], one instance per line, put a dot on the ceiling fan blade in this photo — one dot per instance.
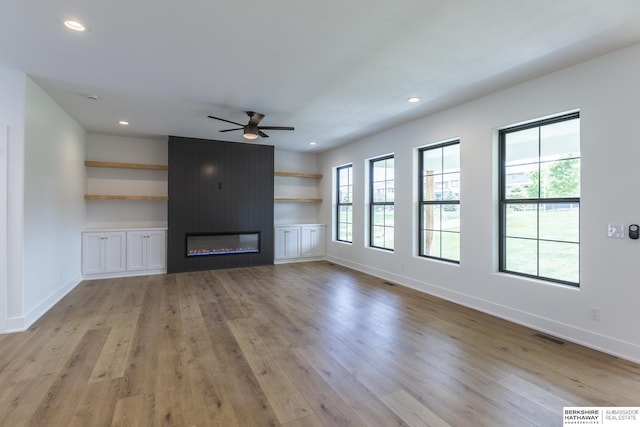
[225, 120]
[276, 127]
[262, 134]
[254, 118]
[229, 130]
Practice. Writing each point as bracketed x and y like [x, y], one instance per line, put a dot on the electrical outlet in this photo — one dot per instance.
[615, 231]
[594, 313]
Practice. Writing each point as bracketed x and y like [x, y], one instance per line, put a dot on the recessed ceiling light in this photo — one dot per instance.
[312, 143]
[74, 25]
[123, 122]
[414, 99]
[91, 97]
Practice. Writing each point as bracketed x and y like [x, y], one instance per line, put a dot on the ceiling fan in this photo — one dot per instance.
[251, 130]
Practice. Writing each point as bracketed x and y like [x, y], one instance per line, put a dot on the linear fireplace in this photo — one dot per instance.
[203, 244]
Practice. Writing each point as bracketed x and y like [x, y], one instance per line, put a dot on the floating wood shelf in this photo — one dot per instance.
[122, 197]
[295, 200]
[119, 165]
[299, 175]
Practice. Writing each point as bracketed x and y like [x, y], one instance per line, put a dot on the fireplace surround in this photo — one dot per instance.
[219, 188]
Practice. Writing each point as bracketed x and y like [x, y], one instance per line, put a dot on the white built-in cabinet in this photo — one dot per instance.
[312, 240]
[299, 242]
[146, 250]
[287, 242]
[123, 252]
[103, 252]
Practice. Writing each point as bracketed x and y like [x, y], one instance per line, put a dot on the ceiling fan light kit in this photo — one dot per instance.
[249, 133]
[252, 129]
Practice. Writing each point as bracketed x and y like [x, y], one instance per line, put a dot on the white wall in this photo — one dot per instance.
[126, 213]
[12, 111]
[606, 91]
[53, 202]
[286, 187]
[4, 186]
[45, 208]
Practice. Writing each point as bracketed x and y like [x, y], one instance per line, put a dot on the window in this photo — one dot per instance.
[439, 201]
[381, 186]
[344, 204]
[540, 199]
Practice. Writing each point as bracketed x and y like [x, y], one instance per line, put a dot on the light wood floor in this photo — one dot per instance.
[294, 345]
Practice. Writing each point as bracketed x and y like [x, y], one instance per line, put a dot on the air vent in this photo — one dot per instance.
[549, 338]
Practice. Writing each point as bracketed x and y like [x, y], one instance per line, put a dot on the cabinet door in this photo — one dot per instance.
[92, 253]
[312, 241]
[279, 238]
[146, 250]
[156, 250]
[114, 252]
[292, 243]
[136, 250]
[287, 242]
[319, 247]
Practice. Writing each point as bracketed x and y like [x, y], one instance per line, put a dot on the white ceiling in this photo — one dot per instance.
[337, 70]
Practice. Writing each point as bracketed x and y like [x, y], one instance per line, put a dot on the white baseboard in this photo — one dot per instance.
[603, 343]
[19, 324]
[305, 259]
[15, 324]
[123, 274]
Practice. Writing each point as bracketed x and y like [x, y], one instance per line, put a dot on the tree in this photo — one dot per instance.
[518, 192]
[564, 179]
[560, 179]
[534, 187]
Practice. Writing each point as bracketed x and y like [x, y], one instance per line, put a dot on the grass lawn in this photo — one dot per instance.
[555, 254]
[544, 244]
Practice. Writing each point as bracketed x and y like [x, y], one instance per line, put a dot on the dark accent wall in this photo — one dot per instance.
[217, 187]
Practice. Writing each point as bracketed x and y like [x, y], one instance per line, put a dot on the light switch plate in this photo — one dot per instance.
[615, 231]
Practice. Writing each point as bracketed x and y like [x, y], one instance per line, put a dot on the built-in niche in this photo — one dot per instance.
[222, 190]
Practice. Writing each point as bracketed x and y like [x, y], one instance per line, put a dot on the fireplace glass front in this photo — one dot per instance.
[222, 244]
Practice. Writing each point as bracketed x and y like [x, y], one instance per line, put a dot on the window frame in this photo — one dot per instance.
[340, 204]
[373, 204]
[422, 202]
[504, 202]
